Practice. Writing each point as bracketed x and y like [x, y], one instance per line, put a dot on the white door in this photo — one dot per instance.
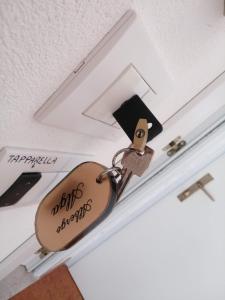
[173, 251]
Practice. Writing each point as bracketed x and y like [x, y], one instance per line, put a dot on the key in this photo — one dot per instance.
[137, 160]
[133, 163]
[140, 135]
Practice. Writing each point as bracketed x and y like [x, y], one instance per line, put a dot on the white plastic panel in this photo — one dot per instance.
[125, 45]
[52, 165]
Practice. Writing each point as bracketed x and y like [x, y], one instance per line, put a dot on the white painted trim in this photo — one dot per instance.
[183, 168]
[18, 256]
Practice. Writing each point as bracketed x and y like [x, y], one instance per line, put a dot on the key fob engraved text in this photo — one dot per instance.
[76, 205]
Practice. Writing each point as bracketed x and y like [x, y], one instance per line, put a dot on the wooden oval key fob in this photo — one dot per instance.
[76, 205]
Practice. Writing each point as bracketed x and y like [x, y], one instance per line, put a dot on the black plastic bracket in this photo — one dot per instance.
[129, 114]
[19, 188]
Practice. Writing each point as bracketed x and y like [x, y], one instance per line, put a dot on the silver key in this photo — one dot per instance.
[137, 162]
[133, 163]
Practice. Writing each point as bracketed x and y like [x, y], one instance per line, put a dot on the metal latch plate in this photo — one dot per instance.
[195, 187]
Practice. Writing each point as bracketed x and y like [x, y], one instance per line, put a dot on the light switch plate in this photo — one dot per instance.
[122, 64]
[52, 166]
[129, 83]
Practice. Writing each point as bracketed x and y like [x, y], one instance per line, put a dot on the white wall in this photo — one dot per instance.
[174, 251]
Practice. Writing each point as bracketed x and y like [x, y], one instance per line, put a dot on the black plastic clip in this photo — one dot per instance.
[129, 114]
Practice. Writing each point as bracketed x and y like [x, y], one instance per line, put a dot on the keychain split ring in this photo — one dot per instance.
[114, 164]
[129, 149]
[109, 170]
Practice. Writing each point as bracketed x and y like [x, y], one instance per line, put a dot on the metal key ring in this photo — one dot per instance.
[114, 162]
[109, 170]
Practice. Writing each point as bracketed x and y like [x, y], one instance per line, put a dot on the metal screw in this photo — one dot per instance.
[186, 193]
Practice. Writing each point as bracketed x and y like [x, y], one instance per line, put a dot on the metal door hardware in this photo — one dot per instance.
[199, 185]
[42, 252]
[174, 146]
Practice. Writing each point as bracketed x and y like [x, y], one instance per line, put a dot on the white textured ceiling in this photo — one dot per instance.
[42, 41]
